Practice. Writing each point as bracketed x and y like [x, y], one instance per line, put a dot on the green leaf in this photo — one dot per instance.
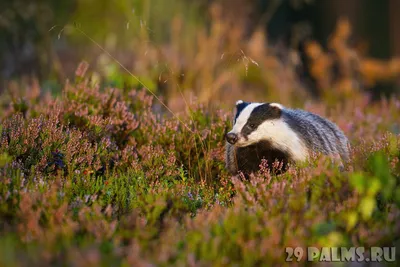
[374, 186]
[393, 146]
[5, 159]
[397, 197]
[367, 206]
[380, 167]
[323, 229]
[357, 180]
[352, 219]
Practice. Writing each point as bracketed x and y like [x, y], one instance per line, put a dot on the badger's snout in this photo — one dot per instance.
[232, 138]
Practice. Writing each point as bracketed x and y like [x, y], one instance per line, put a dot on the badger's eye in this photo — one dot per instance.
[252, 125]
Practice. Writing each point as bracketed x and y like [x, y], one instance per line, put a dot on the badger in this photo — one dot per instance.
[273, 132]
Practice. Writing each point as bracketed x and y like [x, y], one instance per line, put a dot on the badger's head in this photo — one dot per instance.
[255, 122]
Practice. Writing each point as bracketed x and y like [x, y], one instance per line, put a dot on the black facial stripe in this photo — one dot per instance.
[260, 114]
[239, 109]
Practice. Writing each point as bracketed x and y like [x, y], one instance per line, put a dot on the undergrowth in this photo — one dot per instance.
[102, 177]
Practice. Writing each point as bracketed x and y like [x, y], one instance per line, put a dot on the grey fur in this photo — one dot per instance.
[317, 133]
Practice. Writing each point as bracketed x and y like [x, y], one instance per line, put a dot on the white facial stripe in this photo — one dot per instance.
[281, 136]
[243, 117]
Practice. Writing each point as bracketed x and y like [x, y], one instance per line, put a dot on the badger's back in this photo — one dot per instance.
[317, 133]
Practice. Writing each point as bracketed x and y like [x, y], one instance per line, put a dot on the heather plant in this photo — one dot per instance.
[105, 176]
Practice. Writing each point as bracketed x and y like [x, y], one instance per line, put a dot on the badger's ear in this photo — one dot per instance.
[276, 105]
[239, 102]
[275, 109]
[240, 105]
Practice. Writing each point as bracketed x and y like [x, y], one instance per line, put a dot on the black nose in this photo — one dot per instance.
[231, 138]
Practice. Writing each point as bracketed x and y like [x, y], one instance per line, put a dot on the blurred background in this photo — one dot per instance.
[213, 51]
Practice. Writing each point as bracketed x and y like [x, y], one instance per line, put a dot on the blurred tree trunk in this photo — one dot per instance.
[329, 11]
[376, 30]
[394, 16]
